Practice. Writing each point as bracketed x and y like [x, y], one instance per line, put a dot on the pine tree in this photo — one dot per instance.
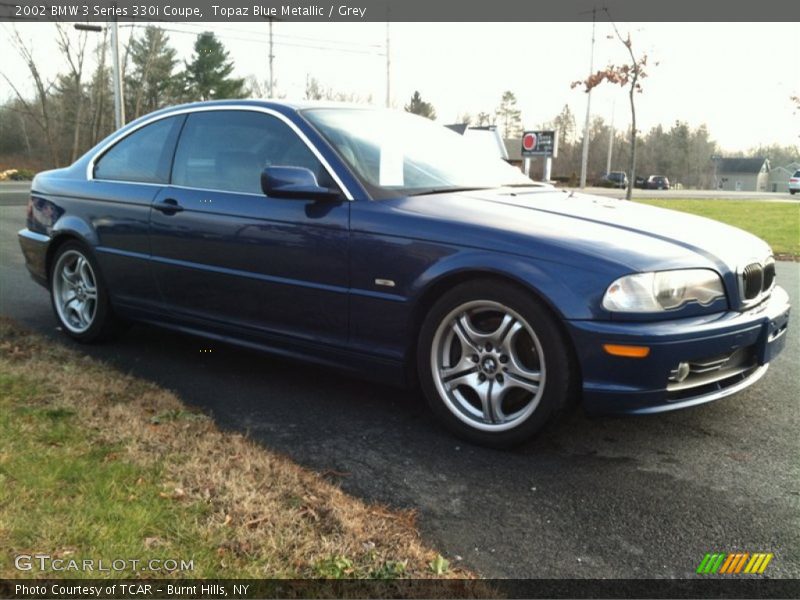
[509, 116]
[207, 76]
[152, 81]
[565, 123]
[418, 106]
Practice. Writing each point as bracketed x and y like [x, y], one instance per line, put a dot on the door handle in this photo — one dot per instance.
[168, 206]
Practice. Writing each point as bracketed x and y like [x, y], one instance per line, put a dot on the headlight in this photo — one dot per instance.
[663, 290]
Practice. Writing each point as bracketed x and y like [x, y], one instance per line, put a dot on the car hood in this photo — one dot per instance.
[638, 236]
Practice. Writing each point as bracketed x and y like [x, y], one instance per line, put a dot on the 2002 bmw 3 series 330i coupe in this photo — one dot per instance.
[385, 244]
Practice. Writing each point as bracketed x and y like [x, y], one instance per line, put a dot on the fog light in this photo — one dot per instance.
[681, 373]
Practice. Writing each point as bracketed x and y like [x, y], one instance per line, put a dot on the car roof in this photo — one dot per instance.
[291, 104]
[282, 105]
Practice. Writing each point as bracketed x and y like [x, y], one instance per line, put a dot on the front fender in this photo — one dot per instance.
[570, 292]
[395, 279]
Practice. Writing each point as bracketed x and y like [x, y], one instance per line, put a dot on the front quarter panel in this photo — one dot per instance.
[393, 273]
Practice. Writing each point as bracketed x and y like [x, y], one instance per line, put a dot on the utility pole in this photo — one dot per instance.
[119, 101]
[271, 58]
[611, 137]
[585, 152]
[388, 67]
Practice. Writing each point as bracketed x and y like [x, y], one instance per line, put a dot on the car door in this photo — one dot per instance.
[123, 180]
[225, 253]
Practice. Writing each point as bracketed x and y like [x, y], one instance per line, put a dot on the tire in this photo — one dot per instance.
[79, 296]
[494, 364]
[792, 192]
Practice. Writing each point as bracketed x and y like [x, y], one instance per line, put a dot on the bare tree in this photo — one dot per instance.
[40, 113]
[483, 119]
[627, 75]
[317, 91]
[74, 52]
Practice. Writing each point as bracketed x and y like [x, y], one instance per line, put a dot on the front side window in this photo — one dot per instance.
[228, 149]
[144, 156]
[397, 153]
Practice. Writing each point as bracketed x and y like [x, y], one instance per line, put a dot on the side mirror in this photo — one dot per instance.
[295, 183]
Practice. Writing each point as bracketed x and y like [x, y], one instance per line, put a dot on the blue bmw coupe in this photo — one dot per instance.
[384, 244]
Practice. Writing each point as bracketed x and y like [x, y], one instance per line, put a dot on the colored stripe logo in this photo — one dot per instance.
[735, 563]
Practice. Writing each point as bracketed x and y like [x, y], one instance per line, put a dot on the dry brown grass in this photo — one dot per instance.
[19, 161]
[261, 514]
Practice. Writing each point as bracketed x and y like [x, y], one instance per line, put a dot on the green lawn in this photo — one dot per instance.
[65, 492]
[776, 222]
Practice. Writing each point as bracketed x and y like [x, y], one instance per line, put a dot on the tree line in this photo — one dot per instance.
[680, 152]
[65, 116]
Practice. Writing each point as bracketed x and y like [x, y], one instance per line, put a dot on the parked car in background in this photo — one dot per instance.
[794, 183]
[657, 182]
[383, 244]
[617, 178]
[640, 182]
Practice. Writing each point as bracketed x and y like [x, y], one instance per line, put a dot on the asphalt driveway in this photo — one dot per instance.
[14, 193]
[603, 497]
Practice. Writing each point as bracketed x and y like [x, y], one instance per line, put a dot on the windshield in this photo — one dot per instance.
[400, 154]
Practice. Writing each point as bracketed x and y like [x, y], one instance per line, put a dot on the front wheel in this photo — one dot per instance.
[79, 296]
[493, 363]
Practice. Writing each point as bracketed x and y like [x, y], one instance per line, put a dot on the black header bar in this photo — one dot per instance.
[401, 10]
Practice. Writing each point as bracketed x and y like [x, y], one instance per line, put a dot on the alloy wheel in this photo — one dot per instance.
[488, 365]
[75, 291]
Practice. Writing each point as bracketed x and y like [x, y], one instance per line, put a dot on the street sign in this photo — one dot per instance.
[529, 141]
[540, 143]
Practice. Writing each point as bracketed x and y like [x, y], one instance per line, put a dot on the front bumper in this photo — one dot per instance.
[742, 343]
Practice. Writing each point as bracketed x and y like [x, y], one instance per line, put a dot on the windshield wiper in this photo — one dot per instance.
[447, 190]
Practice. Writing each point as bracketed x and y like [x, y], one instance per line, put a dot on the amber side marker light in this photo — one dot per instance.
[626, 351]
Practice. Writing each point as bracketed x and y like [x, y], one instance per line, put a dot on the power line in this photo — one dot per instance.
[323, 44]
[141, 23]
[266, 42]
[286, 35]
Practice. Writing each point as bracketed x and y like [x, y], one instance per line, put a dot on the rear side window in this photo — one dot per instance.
[796, 174]
[228, 149]
[144, 156]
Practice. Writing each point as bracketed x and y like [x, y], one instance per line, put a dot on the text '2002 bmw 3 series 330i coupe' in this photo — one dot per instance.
[387, 245]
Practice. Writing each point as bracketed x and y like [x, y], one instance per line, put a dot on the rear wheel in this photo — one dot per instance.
[79, 296]
[493, 363]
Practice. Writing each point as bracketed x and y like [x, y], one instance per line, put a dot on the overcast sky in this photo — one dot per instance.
[734, 77]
